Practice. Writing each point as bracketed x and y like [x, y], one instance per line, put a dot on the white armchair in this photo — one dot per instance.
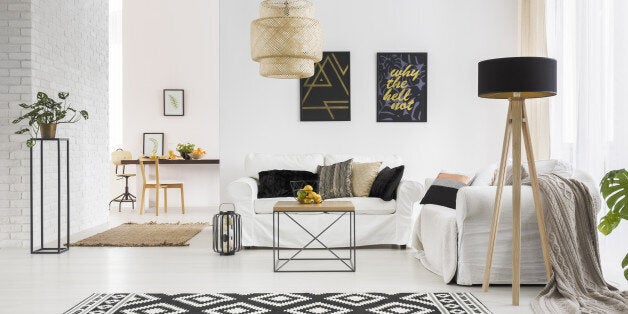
[453, 242]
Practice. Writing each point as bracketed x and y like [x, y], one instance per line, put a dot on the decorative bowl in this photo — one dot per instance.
[196, 156]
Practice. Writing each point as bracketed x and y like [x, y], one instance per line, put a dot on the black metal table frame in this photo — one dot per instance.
[349, 263]
[59, 249]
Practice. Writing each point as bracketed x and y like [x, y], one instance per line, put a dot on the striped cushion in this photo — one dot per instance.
[444, 189]
[334, 181]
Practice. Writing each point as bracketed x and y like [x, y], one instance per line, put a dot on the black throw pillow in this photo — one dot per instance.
[386, 183]
[444, 189]
[276, 183]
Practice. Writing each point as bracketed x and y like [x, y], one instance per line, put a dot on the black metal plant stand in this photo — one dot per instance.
[59, 249]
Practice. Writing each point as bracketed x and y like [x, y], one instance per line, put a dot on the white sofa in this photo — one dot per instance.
[377, 221]
[453, 243]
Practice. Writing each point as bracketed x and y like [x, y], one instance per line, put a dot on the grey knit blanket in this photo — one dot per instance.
[577, 284]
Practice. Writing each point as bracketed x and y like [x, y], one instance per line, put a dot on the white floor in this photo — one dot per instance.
[53, 283]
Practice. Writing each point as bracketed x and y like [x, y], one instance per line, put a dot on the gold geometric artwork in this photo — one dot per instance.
[326, 96]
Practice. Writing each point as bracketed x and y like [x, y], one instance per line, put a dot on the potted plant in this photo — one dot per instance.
[614, 189]
[44, 115]
[185, 150]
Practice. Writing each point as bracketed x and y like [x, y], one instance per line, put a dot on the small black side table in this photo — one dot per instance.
[59, 249]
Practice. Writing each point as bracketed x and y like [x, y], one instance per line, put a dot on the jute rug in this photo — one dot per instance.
[296, 303]
[148, 234]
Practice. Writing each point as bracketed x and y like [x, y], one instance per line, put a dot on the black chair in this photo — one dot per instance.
[116, 157]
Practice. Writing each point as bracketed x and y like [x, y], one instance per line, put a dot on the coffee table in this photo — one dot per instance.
[290, 209]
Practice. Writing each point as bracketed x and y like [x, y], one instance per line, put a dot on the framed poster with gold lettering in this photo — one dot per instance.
[326, 96]
[402, 87]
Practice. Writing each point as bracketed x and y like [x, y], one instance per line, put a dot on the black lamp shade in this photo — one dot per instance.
[531, 77]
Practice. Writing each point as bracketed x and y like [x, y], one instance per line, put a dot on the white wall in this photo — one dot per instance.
[173, 44]
[463, 132]
[70, 53]
[15, 88]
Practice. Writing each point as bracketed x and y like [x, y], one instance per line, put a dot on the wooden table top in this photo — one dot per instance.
[174, 162]
[325, 206]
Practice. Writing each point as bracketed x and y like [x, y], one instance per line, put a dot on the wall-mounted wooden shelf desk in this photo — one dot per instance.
[199, 176]
[175, 162]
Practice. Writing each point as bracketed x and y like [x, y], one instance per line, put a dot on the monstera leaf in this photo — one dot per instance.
[624, 265]
[614, 189]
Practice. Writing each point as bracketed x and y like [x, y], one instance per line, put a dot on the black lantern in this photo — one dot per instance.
[227, 231]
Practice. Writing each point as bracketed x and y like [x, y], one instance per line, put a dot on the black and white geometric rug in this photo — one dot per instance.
[294, 303]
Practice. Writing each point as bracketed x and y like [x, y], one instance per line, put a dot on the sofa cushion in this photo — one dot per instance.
[391, 161]
[444, 189]
[362, 176]
[276, 183]
[559, 167]
[386, 183]
[485, 176]
[334, 181]
[255, 163]
[363, 205]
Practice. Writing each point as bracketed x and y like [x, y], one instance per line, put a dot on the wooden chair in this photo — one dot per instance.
[157, 185]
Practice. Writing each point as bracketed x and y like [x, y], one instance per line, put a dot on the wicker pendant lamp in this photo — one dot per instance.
[286, 40]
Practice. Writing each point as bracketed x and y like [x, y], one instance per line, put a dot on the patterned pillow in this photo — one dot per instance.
[334, 181]
[362, 177]
[445, 189]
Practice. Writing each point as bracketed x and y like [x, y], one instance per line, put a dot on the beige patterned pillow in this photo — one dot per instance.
[363, 175]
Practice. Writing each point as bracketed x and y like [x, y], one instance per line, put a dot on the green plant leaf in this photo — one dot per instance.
[18, 120]
[84, 114]
[22, 131]
[185, 148]
[30, 142]
[173, 102]
[609, 222]
[624, 265]
[41, 95]
[63, 95]
[614, 189]
[25, 106]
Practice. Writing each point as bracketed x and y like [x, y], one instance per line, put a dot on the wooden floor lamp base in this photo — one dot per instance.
[516, 126]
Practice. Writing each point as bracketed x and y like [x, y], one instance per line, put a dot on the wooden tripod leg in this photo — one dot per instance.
[498, 200]
[517, 116]
[540, 217]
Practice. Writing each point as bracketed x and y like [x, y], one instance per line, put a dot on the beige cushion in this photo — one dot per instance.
[362, 177]
[363, 205]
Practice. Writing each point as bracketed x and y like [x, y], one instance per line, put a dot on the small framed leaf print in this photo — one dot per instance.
[173, 102]
[153, 144]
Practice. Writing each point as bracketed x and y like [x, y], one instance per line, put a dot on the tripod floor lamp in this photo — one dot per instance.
[516, 79]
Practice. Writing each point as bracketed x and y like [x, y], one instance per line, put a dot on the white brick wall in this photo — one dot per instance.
[54, 46]
[15, 88]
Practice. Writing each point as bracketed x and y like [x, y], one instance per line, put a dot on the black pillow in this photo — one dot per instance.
[444, 189]
[276, 183]
[386, 183]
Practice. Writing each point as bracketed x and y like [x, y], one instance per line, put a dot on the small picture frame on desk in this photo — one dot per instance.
[153, 143]
[174, 102]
